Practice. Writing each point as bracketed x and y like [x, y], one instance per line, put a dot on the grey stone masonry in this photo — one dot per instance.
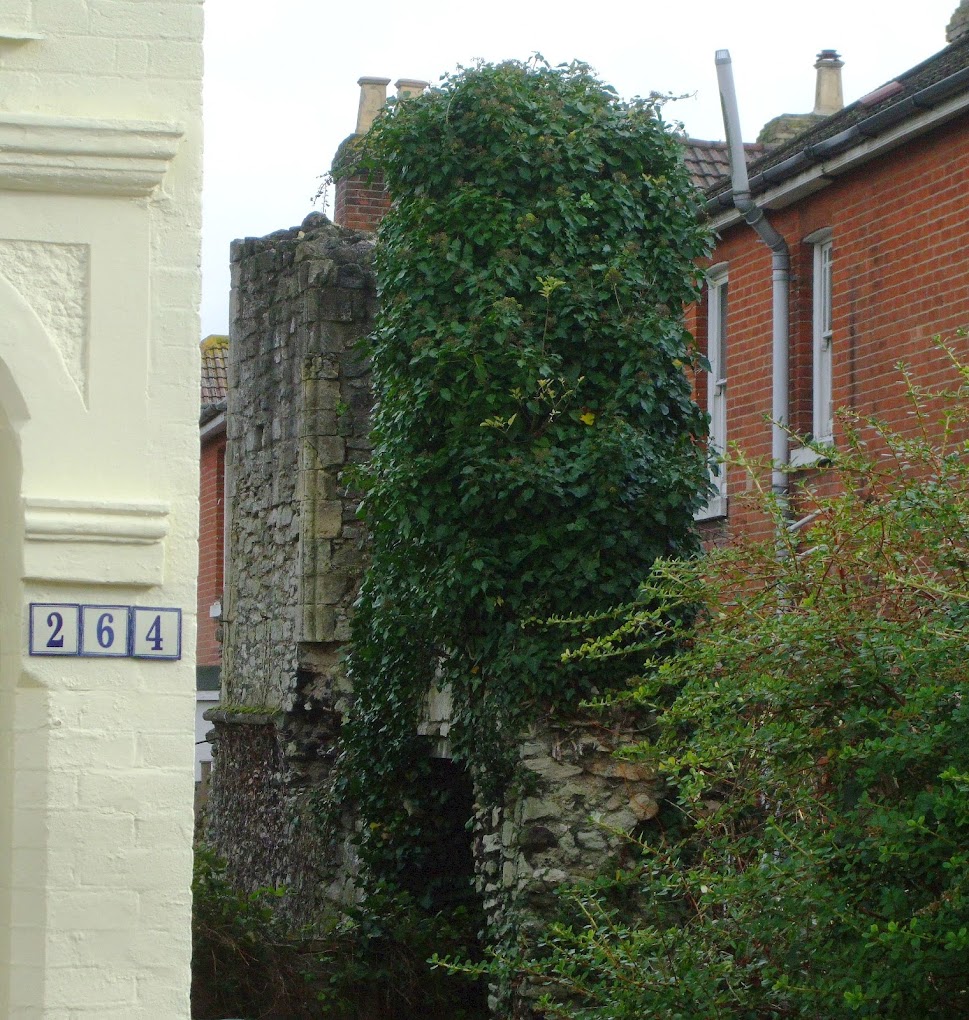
[298, 417]
[298, 414]
[571, 821]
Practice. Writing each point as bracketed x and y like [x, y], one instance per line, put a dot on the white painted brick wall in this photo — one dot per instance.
[96, 817]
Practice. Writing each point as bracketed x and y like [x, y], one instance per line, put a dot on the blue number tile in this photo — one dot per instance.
[54, 628]
[156, 633]
[105, 630]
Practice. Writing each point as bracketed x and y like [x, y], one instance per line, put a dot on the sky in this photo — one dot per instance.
[281, 87]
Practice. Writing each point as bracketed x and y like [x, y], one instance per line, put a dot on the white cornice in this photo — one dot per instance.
[95, 542]
[57, 154]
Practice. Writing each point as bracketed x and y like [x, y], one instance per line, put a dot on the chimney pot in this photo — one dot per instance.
[828, 95]
[373, 95]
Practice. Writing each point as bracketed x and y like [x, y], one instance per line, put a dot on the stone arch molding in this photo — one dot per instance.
[68, 539]
[35, 381]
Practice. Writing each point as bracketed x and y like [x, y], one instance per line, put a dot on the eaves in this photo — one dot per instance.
[814, 168]
[212, 421]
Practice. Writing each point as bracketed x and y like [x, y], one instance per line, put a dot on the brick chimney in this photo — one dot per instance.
[959, 24]
[828, 96]
[361, 200]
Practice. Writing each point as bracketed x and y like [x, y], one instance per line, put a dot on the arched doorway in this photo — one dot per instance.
[11, 542]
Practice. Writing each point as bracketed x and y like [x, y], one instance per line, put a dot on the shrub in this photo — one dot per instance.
[368, 963]
[813, 858]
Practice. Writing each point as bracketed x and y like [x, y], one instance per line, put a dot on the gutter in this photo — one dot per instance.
[753, 215]
[817, 165]
[212, 420]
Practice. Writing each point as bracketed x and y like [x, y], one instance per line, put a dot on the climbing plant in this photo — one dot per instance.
[535, 444]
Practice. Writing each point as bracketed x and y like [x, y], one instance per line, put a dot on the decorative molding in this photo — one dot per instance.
[95, 542]
[57, 154]
[18, 35]
[53, 278]
[820, 236]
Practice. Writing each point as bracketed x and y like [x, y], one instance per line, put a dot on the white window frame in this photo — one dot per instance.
[717, 298]
[822, 372]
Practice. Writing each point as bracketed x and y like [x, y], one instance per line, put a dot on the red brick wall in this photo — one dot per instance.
[900, 276]
[211, 546]
[360, 202]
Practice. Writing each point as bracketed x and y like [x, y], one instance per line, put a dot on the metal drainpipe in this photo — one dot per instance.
[781, 265]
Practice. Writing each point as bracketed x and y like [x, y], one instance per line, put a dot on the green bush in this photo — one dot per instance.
[366, 964]
[535, 440]
[812, 860]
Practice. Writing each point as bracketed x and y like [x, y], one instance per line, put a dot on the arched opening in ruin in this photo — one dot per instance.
[443, 882]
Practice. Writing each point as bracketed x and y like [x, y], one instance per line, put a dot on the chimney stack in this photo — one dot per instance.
[408, 88]
[828, 97]
[959, 24]
[360, 198]
[373, 95]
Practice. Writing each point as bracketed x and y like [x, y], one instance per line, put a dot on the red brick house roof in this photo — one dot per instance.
[215, 384]
[709, 162]
[927, 87]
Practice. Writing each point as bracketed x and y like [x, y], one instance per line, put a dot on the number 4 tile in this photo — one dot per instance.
[156, 633]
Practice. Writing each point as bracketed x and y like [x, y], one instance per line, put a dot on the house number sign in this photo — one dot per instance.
[136, 632]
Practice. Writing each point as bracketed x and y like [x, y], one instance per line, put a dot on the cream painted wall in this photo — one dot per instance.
[100, 162]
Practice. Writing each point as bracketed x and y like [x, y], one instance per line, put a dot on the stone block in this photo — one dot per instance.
[330, 588]
[322, 452]
[326, 519]
[534, 808]
[334, 306]
[315, 555]
[354, 277]
[313, 272]
[555, 771]
[643, 807]
[608, 767]
[319, 623]
[590, 839]
[309, 307]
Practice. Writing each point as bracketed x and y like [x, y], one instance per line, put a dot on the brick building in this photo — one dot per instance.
[211, 536]
[871, 205]
[871, 202]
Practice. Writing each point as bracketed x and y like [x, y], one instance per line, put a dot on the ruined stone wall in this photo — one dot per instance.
[298, 413]
[567, 822]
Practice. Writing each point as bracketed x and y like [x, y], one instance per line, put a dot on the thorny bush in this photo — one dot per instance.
[813, 857]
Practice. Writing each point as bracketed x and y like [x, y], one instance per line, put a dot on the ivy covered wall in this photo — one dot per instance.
[535, 449]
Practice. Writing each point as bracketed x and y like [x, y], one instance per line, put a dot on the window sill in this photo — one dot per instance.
[806, 457]
[714, 510]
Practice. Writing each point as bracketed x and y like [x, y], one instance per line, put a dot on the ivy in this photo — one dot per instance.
[535, 444]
